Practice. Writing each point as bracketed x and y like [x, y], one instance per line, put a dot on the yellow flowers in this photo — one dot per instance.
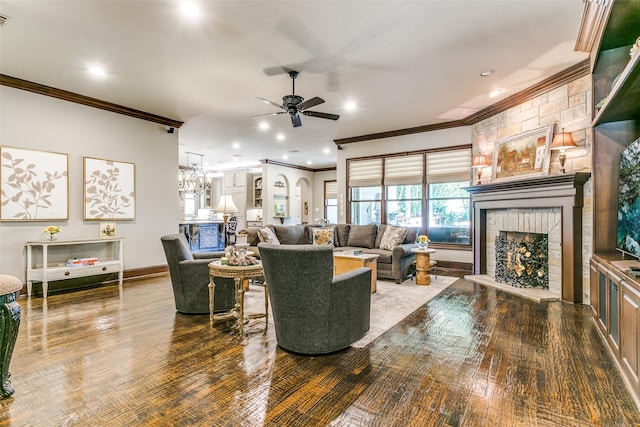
[423, 238]
[52, 229]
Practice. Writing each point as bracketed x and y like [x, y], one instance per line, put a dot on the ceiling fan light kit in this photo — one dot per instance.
[294, 105]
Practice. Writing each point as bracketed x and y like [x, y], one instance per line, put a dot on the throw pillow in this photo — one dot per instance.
[393, 236]
[266, 235]
[323, 236]
[362, 236]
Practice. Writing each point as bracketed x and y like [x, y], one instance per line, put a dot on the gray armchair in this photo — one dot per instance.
[313, 311]
[190, 278]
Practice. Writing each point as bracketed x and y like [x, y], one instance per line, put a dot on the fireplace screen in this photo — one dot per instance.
[522, 259]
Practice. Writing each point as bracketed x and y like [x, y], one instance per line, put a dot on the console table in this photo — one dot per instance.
[46, 260]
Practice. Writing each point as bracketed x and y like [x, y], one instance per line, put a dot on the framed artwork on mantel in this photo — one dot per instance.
[34, 185]
[523, 156]
[109, 190]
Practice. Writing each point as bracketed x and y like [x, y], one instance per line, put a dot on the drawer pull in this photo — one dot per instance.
[104, 268]
[66, 273]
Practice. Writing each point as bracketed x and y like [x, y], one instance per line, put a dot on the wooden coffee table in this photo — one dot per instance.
[347, 261]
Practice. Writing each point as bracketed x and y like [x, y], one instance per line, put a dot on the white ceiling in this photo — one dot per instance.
[405, 63]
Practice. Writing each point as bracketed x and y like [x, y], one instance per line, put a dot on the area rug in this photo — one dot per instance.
[389, 305]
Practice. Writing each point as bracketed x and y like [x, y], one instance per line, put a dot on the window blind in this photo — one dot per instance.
[330, 190]
[365, 173]
[403, 170]
[449, 166]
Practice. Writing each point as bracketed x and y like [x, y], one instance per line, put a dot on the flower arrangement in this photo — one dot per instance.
[423, 240]
[51, 231]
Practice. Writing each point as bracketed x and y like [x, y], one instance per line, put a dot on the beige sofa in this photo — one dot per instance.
[392, 264]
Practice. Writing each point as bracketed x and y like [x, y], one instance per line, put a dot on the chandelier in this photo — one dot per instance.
[193, 178]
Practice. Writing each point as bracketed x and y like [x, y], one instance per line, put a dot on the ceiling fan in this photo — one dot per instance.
[294, 105]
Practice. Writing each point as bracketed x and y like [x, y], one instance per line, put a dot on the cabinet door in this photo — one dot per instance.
[613, 289]
[593, 282]
[630, 332]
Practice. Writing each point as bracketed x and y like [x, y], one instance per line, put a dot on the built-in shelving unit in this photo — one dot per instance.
[614, 293]
[257, 192]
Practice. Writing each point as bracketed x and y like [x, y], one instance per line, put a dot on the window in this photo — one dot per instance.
[331, 201]
[366, 204]
[448, 204]
[449, 213]
[414, 190]
[403, 184]
[404, 205]
[365, 191]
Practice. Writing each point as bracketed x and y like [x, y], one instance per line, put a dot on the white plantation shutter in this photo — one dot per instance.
[403, 170]
[449, 166]
[365, 173]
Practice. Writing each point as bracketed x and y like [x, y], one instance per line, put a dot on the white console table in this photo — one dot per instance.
[46, 260]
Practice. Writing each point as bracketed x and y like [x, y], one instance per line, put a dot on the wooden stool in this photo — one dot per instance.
[9, 323]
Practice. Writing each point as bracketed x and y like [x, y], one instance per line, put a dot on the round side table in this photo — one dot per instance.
[423, 265]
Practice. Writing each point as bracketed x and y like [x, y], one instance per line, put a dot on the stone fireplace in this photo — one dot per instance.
[549, 205]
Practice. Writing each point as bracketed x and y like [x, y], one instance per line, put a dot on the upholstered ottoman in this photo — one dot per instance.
[9, 323]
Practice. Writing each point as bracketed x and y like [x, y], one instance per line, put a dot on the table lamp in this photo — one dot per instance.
[226, 207]
[563, 141]
[480, 162]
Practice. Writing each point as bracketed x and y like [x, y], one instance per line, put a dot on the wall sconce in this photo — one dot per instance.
[563, 141]
[479, 162]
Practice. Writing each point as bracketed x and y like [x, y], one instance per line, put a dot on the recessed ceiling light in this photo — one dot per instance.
[350, 105]
[236, 145]
[285, 157]
[263, 125]
[309, 162]
[189, 9]
[326, 151]
[280, 137]
[487, 73]
[495, 93]
[97, 71]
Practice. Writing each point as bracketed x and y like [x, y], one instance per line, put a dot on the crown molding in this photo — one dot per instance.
[17, 83]
[292, 166]
[570, 74]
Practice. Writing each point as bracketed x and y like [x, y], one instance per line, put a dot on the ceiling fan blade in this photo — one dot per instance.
[266, 101]
[321, 115]
[295, 120]
[309, 103]
[267, 114]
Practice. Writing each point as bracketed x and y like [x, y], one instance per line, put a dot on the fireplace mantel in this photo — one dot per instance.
[564, 191]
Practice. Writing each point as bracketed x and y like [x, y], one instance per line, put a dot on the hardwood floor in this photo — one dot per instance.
[472, 356]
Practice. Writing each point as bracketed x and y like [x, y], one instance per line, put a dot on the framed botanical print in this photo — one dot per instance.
[34, 185]
[109, 190]
[523, 156]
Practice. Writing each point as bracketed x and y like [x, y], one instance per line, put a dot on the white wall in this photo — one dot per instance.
[419, 141]
[292, 175]
[39, 122]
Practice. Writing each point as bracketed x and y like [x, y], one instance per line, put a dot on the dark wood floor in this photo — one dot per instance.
[473, 356]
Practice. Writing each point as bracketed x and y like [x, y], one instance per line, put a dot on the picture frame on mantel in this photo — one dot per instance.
[522, 156]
